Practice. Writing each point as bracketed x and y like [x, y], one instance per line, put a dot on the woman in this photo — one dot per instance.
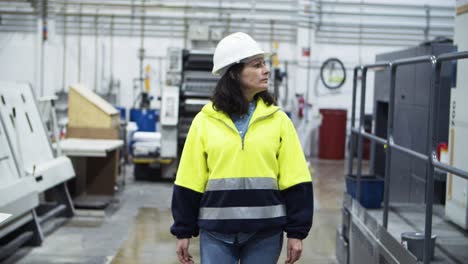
[242, 178]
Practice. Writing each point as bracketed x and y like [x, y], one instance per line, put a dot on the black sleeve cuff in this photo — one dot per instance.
[300, 236]
[299, 200]
[185, 207]
[182, 236]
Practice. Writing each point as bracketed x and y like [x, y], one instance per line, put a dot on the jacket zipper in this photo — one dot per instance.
[234, 130]
[237, 132]
[257, 119]
[227, 125]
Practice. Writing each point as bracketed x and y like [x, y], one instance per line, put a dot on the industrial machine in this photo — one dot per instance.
[28, 168]
[418, 107]
[413, 228]
[196, 88]
[18, 196]
[190, 85]
[24, 126]
[412, 86]
[145, 142]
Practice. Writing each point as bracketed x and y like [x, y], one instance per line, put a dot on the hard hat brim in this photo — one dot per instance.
[222, 71]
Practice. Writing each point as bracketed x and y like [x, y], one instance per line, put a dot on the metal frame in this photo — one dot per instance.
[430, 157]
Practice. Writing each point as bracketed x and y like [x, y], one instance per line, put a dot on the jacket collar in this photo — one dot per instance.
[261, 110]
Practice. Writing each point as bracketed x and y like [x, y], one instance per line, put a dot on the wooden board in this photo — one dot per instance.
[462, 9]
[92, 133]
[87, 109]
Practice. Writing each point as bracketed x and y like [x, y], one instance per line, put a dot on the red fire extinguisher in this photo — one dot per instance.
[301, 102]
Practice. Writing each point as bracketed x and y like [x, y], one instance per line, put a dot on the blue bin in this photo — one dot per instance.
[146, 119]
[122, 112]
[372, 189]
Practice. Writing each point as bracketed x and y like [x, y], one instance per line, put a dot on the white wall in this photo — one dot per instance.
[19, 55]
[317, 95]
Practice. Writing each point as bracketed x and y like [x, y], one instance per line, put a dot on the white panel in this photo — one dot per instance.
[54, 172]
[16, 191]
[17, 194]
[29, 131]
[216, 34]
[18, 198]
[459, 161]
[457, 188]
[169, 144]
[81, 147]
[461, 40]
[29, 140]
[199, 32]
[4, 217]
[170, 106]
[8, 170]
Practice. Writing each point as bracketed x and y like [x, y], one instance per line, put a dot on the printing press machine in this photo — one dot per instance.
[28, 168]
[191, 85]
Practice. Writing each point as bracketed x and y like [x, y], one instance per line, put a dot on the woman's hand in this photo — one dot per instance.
[294, 250]
[182, 251]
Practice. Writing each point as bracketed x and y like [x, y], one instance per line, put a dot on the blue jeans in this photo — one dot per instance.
[258, 249]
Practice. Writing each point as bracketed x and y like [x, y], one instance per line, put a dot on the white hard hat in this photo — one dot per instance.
[233, 49]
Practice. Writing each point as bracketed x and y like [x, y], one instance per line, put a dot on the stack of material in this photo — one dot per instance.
[146, 144]
[90, 116]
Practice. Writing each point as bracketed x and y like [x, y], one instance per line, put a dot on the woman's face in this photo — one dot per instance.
[254, 76]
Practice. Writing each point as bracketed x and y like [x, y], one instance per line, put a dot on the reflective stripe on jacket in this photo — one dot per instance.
[235, 185]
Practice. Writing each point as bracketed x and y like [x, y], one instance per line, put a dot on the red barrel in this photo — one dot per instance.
[332, 134]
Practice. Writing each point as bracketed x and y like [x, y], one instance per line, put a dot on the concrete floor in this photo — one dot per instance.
[136, 228]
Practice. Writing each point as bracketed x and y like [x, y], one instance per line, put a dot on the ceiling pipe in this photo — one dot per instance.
[412, 15]
[384, 5]
[375, 36]
[365, 42]
[198, 7]
[176, 35]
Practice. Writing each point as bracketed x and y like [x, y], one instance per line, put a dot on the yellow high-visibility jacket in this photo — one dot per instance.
[228, 184]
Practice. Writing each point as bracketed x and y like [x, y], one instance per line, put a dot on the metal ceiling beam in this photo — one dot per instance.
[178, 7]
[86, 28]
[380, 14]
[333, 42]
[158, 17]
[384, 5]
[418, 37]
[409, 32]
[383, 26]
[156, 34]
[215, 24]
[355, 41]
[370, 37]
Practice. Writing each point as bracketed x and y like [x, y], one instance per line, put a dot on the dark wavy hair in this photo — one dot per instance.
[228, 96]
